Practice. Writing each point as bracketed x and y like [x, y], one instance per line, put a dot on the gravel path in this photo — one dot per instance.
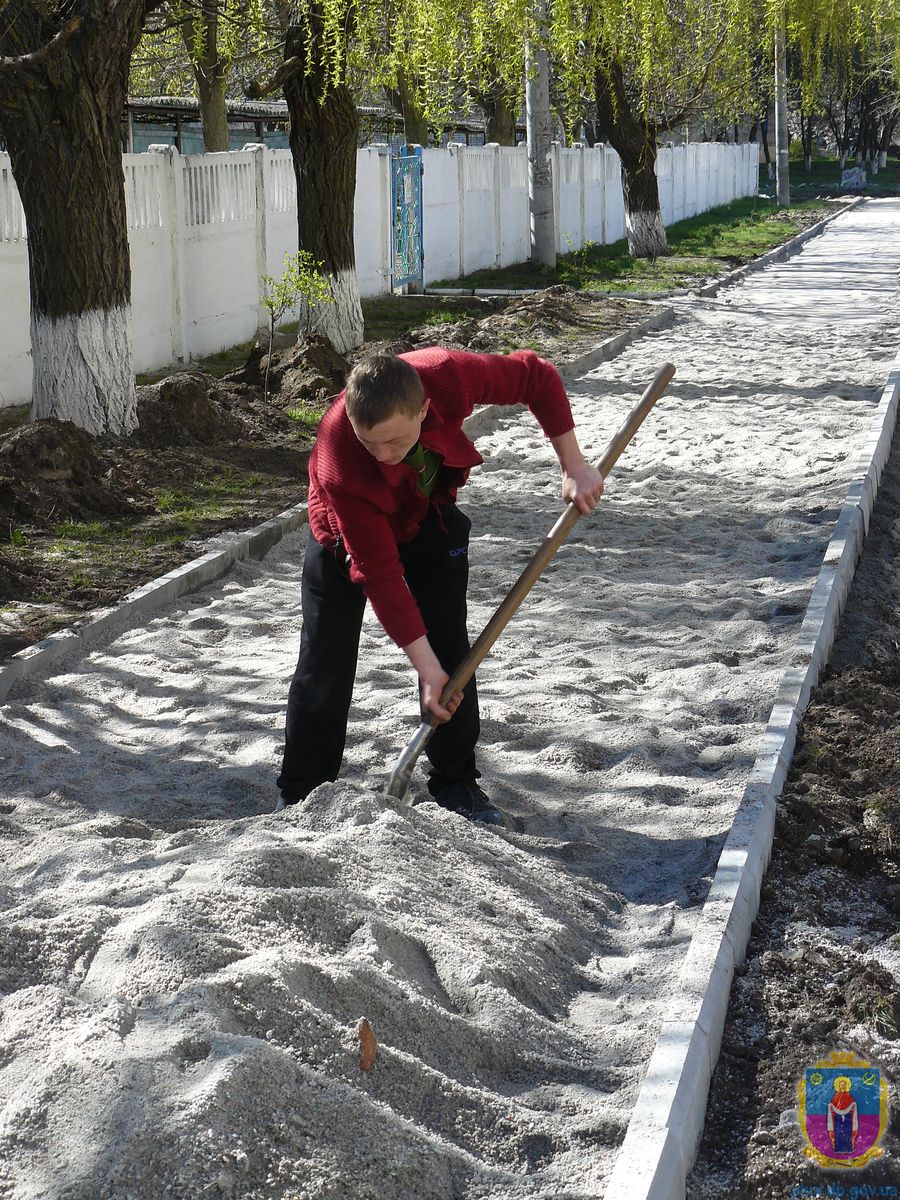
[182, 974]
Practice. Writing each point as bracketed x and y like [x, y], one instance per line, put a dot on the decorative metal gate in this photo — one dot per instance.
[406, 213]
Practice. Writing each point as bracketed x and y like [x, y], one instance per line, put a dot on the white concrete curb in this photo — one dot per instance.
[97, 626]
[778, 254]
[664, 1132]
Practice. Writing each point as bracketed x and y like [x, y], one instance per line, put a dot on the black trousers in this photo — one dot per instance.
[436, 568]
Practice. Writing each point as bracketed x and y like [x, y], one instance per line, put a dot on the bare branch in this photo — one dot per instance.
[669, 122]
[255, 89]
[24, 61]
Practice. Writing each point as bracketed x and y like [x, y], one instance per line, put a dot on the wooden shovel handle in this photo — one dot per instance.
[552, 542]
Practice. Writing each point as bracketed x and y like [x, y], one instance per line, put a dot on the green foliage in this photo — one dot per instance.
[303, 282]
[84, 531]
[211, 36]
[713, 58]
[160, 65]
[307, 418]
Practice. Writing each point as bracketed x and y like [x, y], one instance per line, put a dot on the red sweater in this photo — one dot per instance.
[372, 506]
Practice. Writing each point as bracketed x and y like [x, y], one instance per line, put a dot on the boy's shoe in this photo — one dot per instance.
[469, 801]
[284, 802]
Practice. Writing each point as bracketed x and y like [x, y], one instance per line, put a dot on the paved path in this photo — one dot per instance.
[517, 980]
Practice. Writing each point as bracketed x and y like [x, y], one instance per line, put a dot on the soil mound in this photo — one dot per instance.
[549, 317]
[52, 471]
[185, 408]
[16, 580]
[310, 372]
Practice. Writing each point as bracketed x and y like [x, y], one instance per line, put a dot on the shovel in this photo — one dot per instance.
[399, 780]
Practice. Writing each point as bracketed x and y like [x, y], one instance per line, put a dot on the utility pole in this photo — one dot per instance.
[539, 133]
[782, 144]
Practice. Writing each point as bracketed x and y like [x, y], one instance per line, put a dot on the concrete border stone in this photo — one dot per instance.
[778, 254]
[666, 1125]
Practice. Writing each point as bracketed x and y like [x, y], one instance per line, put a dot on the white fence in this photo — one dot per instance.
[204, 228]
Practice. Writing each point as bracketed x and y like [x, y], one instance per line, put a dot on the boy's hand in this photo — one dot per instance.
[582, 485]
[430, 689]
[432, 680]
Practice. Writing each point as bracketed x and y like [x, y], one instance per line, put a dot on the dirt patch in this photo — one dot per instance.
[559, 322]
[52, 470]
[86, 519]
[820, 969]
[309, 372]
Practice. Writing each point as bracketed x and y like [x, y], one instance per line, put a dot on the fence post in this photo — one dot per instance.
[171, 167]
[579, 146]
[260, 153]
[556, 181]
[386, 217]
[494, 147]
[600, 148]
[458, 149]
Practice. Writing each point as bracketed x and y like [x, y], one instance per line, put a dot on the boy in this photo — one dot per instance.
[389, 458]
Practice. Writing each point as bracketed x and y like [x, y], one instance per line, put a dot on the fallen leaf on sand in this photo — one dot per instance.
[368, 1046]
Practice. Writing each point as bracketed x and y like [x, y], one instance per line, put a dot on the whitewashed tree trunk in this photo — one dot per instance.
[61, 120]
[646, 234]
[342, 321]
[83, 370]
[634, 139]
[324, 136]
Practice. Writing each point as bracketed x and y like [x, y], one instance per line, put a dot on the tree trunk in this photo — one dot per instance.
[764, 137]
[415, 127]
[500, 118]
[61, 120]
[540, 176]
[782, 137]
[200, 33]
[884, 142]
[592, 133]
[634, 140]
[323, 138]
[213, 113]
[807, 132]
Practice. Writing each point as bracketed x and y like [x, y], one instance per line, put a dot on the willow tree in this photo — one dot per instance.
[853, 42]
[324, 137]
[334, 50]
[195, 46]
[62, 95]
[655, 65]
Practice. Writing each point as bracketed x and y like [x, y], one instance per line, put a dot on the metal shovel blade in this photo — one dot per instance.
[402, 773]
